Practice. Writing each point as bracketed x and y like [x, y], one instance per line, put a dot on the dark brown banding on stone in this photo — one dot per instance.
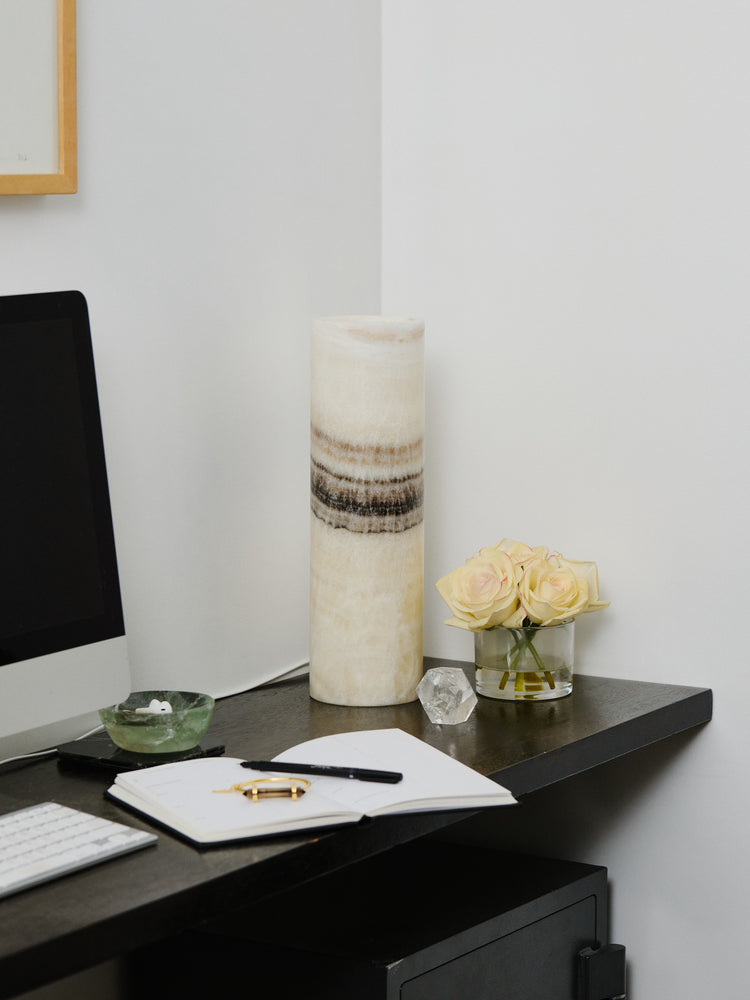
[348, 452]
[366, 505]
[358, 481]
[366, 488]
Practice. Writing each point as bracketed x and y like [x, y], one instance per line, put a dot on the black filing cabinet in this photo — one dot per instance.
[426, 921]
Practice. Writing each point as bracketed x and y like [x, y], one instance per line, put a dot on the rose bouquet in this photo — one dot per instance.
[513, 585]
[521, 589]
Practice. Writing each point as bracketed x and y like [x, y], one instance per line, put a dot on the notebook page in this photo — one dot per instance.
[432, 779]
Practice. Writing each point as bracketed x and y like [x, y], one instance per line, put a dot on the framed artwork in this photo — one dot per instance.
[38, 142]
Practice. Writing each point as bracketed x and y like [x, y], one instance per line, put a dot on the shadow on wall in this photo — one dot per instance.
[569, 820]
[572, 819]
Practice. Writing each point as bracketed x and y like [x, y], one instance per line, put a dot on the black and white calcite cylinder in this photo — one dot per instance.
[366, 530]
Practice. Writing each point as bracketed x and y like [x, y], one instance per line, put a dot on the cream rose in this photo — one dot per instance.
[482, 593]
[588, 572]
[554, 589]
[521, 554]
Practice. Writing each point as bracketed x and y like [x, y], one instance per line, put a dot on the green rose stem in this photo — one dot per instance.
[524, 639]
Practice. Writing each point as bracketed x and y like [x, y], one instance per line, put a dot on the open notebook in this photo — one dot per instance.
[188, 796]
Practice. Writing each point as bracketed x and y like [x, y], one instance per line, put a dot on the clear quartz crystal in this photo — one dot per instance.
[446, 695]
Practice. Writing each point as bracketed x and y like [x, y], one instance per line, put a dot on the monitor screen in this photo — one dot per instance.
[59, 586]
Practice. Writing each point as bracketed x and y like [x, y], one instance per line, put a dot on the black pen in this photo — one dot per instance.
[359, 773]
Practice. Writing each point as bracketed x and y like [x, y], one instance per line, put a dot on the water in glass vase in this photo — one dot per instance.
[525, 664]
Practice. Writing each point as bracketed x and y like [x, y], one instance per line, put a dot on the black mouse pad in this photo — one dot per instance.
[99, 751]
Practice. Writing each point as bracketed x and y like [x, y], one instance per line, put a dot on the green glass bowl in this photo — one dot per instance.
[151, 732]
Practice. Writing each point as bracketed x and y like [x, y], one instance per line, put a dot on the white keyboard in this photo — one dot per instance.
[44, 841]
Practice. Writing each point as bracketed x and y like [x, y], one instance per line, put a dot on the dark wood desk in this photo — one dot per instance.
[76, 922]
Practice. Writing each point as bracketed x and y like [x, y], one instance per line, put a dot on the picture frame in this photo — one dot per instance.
[38, 120]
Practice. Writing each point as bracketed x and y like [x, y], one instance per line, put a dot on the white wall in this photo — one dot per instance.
[229, 192]
[565, 201]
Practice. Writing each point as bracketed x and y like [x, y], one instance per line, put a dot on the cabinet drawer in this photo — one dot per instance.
[536, 962]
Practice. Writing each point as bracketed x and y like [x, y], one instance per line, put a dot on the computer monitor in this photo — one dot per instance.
[63, 651]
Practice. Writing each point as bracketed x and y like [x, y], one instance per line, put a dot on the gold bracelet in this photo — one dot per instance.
[277, 787]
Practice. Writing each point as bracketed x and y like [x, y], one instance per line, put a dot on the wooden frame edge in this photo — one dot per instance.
[65, 181]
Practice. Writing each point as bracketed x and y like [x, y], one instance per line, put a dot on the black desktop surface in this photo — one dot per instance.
[90, 916]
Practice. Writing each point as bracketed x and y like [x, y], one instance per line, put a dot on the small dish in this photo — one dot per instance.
[143, 723]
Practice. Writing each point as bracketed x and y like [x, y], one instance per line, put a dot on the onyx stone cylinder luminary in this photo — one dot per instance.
[366, 530]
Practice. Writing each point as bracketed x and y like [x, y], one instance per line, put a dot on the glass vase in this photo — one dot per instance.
[525, 664]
